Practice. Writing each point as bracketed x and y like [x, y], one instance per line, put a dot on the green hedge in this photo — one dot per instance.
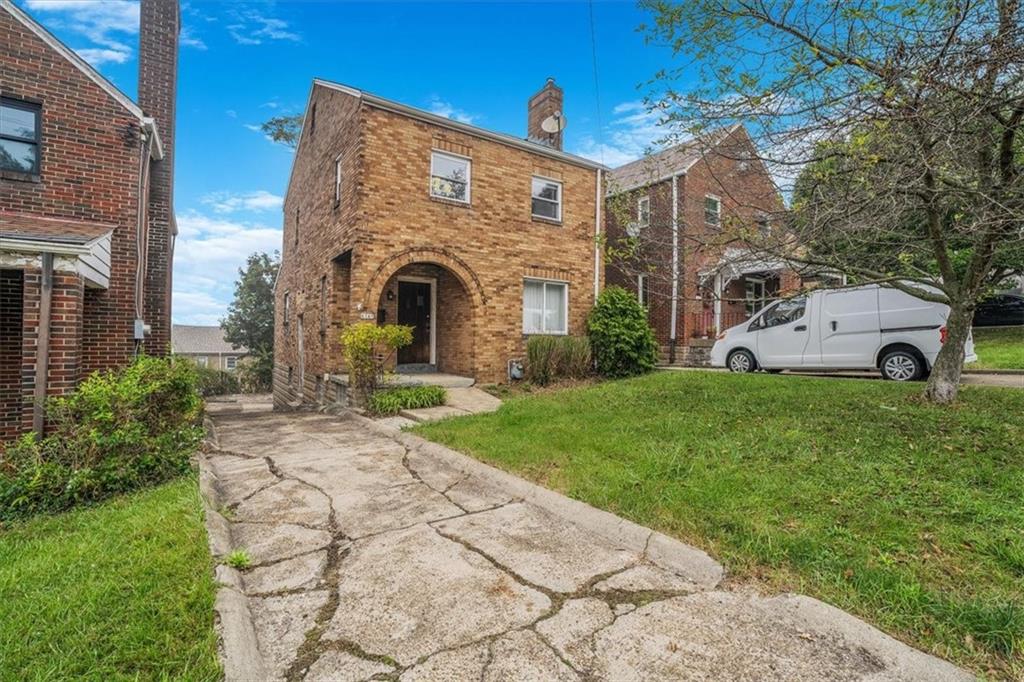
[119, 431]
[212, 381]
[393, 401]
[620, 336]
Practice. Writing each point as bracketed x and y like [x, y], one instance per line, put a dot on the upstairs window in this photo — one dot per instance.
[323, 306]
[545, 307]
[546, 199]
[337, 181]
[449, 177]
[643, 217]
[712, 210]
[19, 136]
[287, 308]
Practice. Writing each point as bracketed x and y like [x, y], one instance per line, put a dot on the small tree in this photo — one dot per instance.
[250, 319]
[368, 348]
[621, 339]
[284, 129]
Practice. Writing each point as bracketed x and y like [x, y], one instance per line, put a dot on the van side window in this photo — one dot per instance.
[783, 312]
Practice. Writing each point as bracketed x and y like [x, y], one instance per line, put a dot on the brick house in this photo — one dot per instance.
[86, 216]
[682, 212]
[206, 346]
[393, 214]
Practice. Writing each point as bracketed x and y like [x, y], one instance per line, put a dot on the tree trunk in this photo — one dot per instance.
[944, 382]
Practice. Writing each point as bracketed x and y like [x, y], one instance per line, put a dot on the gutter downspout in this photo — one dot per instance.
[43, 345]
[597, 238]
[674, 315]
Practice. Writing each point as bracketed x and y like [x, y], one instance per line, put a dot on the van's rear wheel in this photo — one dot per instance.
[902, 365]
[741, 361]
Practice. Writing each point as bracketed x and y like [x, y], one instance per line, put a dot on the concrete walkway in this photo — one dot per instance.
[377, 555]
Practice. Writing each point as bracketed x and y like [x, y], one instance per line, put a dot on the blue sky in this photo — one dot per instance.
[243, 62]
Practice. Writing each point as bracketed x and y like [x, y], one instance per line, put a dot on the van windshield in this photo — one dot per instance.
[783, 312]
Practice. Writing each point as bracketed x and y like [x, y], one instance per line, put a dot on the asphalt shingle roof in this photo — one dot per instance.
[192, 338]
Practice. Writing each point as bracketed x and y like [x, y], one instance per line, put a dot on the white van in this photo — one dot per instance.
[869, 327]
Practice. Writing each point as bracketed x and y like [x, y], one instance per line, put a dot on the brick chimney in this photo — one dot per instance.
[159, 25]
[547, 102]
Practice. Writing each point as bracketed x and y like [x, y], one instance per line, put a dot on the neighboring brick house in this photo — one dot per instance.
[475, 238]
[205, 345]
[86, 219]
[674, 221]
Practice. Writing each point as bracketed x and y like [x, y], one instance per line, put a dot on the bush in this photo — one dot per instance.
[620, 337]
[367, 348]
[212, 381]
[393, 401]
[549, 358]
[119, 431]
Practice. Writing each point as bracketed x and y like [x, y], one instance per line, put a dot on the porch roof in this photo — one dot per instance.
[84, 246]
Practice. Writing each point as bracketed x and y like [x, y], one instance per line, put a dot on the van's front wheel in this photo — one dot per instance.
[741, 361]
[902, 365]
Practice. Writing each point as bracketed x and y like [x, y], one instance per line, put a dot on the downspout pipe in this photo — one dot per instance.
[674, 314]
[597, 237]
[43, 345]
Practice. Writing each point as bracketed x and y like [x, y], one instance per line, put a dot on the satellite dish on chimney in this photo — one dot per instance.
[554, 123]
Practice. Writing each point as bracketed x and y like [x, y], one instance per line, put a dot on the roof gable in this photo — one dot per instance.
[664, 164]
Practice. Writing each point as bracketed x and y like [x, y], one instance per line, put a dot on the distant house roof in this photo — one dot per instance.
[193, 338]
[666, 163]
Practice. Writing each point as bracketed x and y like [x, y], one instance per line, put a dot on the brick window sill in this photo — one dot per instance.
[545, 221]
[451, 202]
[18, 176]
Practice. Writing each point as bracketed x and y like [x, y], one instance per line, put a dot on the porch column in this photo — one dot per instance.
[718, 302]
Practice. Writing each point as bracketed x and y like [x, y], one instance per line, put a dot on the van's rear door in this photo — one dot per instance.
[849, 327]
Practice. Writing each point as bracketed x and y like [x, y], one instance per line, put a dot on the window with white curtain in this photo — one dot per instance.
[545, 307]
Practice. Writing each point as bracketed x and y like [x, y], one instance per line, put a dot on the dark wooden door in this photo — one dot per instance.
[414, 310]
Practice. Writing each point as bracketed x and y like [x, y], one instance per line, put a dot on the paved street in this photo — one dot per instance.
[377, 555]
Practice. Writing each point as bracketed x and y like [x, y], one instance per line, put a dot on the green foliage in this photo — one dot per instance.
[393, 401]
[119, 431]
[250, 320]
[367, 348]
[621, 339]
[211, 381]
[238, 558]
[284, 129]
[550, 358]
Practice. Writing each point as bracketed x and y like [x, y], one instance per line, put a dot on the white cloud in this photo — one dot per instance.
[189, 39]
[442, 108]
[97, 56]
[229, 202]
[207, 255]
[632, 132]
[251, 27]
[105, 23]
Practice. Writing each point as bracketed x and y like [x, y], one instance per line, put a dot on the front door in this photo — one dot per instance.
[414, 311]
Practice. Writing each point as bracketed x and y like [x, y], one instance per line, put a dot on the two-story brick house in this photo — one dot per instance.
[86, 219]
[393, 214]
[675, 223]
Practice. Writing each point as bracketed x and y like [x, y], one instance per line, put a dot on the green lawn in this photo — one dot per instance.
[998, 348]
[123, 590]
[856, 492]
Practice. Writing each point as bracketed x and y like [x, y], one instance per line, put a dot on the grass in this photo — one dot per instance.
[998, 348]
[123, 590]
[239, 559]
[856, 492]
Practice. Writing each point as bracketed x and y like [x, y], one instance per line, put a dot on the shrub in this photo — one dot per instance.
[367, 348]
[549, 358]
[212, 381]
[119, 431]
[620, 337]
[394, 400]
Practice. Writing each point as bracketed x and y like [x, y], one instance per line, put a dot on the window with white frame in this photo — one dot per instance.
[337, 181]
[546, 199]
[643, 290]
[712, 210]
[230, 363]
[643, 217]
[545, 307]
[449, 177]
[201, 361]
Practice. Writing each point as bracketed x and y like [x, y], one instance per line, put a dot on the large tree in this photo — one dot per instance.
[910, 114]
[250, 319]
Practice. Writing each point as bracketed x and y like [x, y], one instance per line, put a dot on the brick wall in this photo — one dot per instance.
[387, 220]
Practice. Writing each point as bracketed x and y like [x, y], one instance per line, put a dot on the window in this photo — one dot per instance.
[764, 225]
[449, 177]
[19, 136]
[323, 306]
[201, 361]
[712, 210]
[296, 227]
[545, 307]
[755, 295]
[643, 217]
[337, 181]
[231, 362]
[643, 290]
[781, 313]
[312, 120]
[287, 308]
[546, 198]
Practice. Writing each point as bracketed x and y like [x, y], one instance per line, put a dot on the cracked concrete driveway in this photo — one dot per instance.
[375, 555]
